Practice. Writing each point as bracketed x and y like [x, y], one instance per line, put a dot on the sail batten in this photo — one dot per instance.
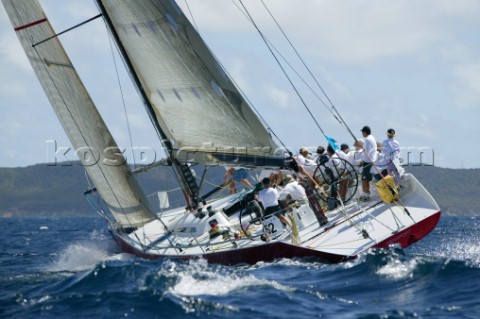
[103, 161]
[193, 101]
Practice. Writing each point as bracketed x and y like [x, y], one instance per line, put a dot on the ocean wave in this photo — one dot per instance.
[83, 274]
[197, 278]
[84, 254]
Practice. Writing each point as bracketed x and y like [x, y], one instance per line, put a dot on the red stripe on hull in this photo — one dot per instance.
[413, 233]
[251, 255]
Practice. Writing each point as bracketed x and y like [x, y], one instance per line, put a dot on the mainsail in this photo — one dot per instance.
[104, 163]
[192, 100]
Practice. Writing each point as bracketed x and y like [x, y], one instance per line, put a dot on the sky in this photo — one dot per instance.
[409, 65]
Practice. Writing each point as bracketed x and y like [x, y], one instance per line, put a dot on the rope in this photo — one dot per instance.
[191, 15]
[304, 64]
[335, 112]
[244, 96]
[362, 230]
[378, 221]
[50, 93]
[291, 67]
[340, 243]
[123, 100]
[282, 68]
[295, 236]
[398, 202]
[125, 107]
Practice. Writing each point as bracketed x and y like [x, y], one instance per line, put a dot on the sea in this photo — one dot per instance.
[70, 267]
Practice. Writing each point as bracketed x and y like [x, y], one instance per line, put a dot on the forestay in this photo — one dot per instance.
[79, 117]
[193, 101]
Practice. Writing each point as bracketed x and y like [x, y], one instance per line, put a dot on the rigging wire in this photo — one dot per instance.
[291, 67]
[135, 85]
[337, 114]
[152, 120]
[41, 65]
[51, 93]
[123, 100]
[282, 68]
[296, 52]
[245, 97]
[191, 14]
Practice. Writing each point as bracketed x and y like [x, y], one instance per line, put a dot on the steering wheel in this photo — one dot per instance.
[341, 175]
[255, 212]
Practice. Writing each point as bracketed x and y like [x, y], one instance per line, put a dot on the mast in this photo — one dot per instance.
[182, 171]
[198, 112]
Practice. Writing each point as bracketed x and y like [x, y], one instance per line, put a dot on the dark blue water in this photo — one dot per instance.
[70, 268]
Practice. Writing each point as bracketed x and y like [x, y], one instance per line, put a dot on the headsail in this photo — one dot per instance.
[194, 103]
[79, 117]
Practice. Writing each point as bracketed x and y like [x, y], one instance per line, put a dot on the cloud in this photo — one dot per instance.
[404, 64]
[467, 86]
[401, 64]
[280, 97]
[204, 14]
[351, 32]
[237, 72]
[16, 68]
[11, 51]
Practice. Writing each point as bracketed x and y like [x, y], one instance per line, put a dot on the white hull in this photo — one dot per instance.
[349, 231]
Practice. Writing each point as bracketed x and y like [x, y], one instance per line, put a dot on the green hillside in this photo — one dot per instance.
[46, 190]
[58, 190]
[456, 190]
[42, 190]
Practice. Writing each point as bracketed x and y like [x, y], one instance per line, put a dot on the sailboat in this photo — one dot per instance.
[200, 116]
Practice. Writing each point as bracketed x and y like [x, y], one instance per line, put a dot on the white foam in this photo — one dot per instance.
[461, 248]
[197, 279]
[79, 257]
[397, 269]
[311, 264]
[84, 255]
[122, 257]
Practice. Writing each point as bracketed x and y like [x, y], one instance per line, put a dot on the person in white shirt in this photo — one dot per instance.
[320, 151]
[348, 157]
[334, 163]
[391, 155]
[356, 155]
[390, 147]
[369, 156]
[269, 198]
[292, 190]
[305, 157]
[343, 152]
[306, 164]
